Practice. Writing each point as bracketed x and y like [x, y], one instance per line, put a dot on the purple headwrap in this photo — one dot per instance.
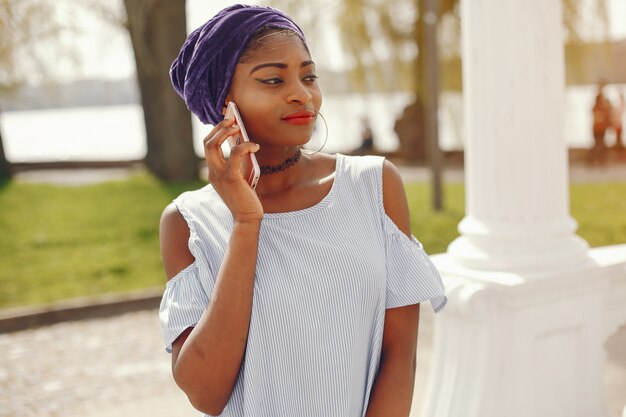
[203, 71]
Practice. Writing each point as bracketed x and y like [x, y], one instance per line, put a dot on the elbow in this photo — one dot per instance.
[205, 404]
[208, 389]
[202, 397]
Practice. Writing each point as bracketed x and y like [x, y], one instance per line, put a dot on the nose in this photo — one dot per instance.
[299, 94]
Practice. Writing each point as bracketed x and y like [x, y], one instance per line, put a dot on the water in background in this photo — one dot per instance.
[117, 132]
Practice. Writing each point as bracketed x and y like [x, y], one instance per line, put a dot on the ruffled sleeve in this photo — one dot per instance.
[182, 305]
[411, 276]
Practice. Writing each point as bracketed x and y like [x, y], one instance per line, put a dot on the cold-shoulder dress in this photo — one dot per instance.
[324, 277]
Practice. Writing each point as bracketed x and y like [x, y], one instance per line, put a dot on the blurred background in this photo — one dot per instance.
[94, 143]
[75, 74]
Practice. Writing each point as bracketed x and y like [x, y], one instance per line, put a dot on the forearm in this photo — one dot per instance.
[392, 392]
[210, 359]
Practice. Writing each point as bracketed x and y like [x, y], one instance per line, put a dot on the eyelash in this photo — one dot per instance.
[276, 81]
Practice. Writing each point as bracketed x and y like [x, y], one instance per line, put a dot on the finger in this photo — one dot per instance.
[224, 124]
[220, 136]
[239, 151]
[213, 148]
[233, 167]
[244, 148]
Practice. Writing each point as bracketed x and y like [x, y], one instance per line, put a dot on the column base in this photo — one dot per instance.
[505, 247]
[511, 346]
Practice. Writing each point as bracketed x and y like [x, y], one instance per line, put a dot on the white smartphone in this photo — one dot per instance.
[249, 165]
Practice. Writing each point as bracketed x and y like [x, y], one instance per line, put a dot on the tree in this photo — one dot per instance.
[24, 26]
[588, 52]
[157, 30]
[387, 36]
[383, 37]
[394, 34]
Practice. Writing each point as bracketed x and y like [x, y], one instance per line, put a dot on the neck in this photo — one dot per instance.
[283, 166]
[269, 155]
[286, 179]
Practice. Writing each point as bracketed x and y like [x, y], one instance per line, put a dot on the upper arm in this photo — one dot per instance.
[401, 324]
[394, 198]
[174, 238]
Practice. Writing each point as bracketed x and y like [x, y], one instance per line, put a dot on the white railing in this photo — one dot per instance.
[505, 346]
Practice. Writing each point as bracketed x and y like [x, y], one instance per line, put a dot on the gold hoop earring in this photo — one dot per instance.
[306, 152]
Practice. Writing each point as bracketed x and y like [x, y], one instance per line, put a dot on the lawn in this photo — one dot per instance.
[62, 242]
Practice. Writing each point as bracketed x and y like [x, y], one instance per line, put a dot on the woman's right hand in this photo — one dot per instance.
[226, 176]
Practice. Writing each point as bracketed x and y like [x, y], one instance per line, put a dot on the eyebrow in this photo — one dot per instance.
[279, 65]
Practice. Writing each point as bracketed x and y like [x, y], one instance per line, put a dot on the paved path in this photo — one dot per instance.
[577, 173]
[117, 367]
[74, 177]
[93, 368]
[106, 368]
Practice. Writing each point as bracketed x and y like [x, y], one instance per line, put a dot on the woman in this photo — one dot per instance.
[299, 298]
[616, 121]
[601, 111]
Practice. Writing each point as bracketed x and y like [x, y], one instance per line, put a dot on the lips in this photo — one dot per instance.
[300, 118]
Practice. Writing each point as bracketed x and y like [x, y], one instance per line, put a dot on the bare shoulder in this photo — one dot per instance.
[325, 163]
[174, 237]
[394, 198]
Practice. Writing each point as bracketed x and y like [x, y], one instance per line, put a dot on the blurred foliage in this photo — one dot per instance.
[62, 242]
[585, 20]
[382, 37]
[33, 41]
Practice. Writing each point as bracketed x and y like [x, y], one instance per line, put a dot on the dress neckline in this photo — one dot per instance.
[328, 198]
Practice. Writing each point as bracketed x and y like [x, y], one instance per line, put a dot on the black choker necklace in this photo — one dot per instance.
[273, 169]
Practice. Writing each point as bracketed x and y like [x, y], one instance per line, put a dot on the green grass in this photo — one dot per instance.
[600, 210]
[62, 242]
[435, 230]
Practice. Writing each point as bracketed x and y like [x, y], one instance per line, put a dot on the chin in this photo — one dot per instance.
[299, 138]
[305, 141]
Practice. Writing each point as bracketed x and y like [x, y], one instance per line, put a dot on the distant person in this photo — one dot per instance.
[616, 121]
[367, 138]
[299, 297]
[601, 121]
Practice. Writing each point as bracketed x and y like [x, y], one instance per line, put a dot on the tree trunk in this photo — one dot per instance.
[410, 130]
[5, 167]
[430, 76]
[157, 30]
[410, 127]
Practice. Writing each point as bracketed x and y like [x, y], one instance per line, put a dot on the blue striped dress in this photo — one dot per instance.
[324, 277]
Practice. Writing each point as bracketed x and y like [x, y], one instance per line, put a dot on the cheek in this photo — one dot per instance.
[258, 116]
[316, 96]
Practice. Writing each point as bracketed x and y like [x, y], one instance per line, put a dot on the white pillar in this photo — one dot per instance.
[515, 155]
[529, 305]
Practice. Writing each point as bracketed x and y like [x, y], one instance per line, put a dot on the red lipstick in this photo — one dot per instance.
[300, 118]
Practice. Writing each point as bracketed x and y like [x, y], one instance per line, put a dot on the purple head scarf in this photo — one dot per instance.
[203, 71]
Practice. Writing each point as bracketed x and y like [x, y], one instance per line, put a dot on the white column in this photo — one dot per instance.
[515, 154]
[530, 307]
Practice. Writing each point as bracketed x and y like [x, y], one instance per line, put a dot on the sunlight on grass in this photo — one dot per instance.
[62, 242]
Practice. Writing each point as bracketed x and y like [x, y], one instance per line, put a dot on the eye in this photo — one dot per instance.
[310, 78]
[271, 81]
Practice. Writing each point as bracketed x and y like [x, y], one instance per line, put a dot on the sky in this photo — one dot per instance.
[105, 51]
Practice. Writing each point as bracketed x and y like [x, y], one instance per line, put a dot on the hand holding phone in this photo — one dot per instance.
[249, 164]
